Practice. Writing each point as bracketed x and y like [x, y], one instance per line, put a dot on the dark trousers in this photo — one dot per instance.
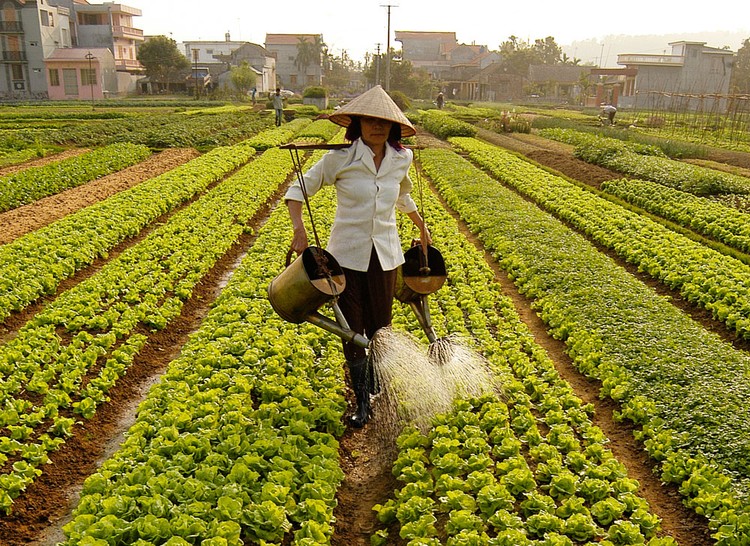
[367, 302]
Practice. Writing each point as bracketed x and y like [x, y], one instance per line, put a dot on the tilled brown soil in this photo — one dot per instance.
[39, 514]
[22, 220]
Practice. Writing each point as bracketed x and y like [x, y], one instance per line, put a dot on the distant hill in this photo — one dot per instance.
[591, 51]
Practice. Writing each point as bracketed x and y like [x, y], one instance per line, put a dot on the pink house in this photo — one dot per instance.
[81, 73]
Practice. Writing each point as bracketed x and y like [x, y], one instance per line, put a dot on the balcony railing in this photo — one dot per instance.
[126, 32]
[11, 26]
[14, 56]
[128, 64]
[662, 60]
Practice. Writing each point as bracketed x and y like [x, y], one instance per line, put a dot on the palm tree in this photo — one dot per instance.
[309, 52]
[305, 54]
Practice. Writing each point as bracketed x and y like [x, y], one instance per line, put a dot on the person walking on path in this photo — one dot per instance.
[278, 105]
[371, 181]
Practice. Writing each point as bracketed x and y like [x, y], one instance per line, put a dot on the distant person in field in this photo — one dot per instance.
[440, 100]
[278, 105]
[371, 180]
[609, 111]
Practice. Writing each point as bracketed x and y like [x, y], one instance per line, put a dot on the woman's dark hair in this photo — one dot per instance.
[354, 131]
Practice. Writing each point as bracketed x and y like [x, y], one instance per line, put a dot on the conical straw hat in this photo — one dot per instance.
[374, 103]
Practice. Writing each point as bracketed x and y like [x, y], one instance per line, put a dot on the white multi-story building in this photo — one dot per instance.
[31, 30]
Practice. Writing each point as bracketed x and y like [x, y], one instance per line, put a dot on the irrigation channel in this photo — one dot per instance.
[410, 379]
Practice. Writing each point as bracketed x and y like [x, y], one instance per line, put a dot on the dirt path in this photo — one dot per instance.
[22, 220]
[10, 169]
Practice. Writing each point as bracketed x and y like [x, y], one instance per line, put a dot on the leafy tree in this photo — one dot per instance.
[340, 72]
[413, 82]
[741, 72]
[243, 78]
[518, 55]
[548, 50]
[162, 60]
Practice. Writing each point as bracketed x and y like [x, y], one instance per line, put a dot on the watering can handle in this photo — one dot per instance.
[424, 268]
[289, 257]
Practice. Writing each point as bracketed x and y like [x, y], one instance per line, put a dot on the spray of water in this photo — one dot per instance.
[416, 383]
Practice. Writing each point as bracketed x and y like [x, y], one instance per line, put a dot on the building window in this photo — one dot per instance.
[88, 19]
[88, 77]
[54, 77]
[16, 72]
[70, 81]
[45, 17]
[209, 52]
[293, 80]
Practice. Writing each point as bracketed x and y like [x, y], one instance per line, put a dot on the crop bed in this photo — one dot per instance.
[241, 437]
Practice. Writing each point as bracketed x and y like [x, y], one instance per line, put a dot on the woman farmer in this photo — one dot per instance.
[371, 179]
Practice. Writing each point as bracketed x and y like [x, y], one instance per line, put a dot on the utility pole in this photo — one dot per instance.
[377, 66]
[388, 48]
[90, 57]
[195, 72]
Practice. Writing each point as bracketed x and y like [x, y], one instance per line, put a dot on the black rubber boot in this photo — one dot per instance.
[360, 373]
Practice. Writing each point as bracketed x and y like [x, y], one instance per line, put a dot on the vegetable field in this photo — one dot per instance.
[149, 394]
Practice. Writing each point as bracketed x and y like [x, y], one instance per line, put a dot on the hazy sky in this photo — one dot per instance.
[357, 26]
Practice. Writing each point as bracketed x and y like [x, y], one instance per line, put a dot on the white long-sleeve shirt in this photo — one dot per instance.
[366, 202]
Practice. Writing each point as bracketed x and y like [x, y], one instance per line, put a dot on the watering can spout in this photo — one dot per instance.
[343, 331]
[422, 312]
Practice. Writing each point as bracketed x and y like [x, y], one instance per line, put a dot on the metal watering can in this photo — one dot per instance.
[422, 274]
[315, 278]
[305, 285]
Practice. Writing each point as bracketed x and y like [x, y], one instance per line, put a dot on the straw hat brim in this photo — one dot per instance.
[374, 103]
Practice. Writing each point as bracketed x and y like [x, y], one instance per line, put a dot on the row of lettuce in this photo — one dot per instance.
[649, 163]
[35, 264]
[703, 276]
[525, 468]
[29, 185]
[267, 472]
[238, 442]
[60, 365]
[683, 386]
[204, 130]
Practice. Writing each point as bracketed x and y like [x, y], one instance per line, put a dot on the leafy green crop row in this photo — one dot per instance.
[71, 353]
[443, 125]
[158, 131]
[597, 145]
[528, 470]
[35, 264]
[684, 387]
[704, 276]
[647, 162]
[237, 443]
[31, 184]
[709, 218]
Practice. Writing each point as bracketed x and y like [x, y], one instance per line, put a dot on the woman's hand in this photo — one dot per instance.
[426, 236]
[299, 241]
